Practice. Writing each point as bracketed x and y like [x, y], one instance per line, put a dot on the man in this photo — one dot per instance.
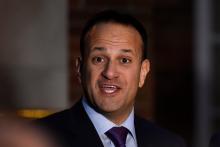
[113, 65]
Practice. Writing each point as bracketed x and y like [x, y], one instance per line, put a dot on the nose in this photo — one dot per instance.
[110, 71]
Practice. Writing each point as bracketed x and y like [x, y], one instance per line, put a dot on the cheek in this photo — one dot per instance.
[135, 76]
[87, 76]
[93, 76]
[132, 78]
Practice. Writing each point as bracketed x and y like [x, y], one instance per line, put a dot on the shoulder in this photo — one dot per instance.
[64, 125]
[55, 119]
[70, 127]
[57, 124]
[215, 140]
[64, 119]
[157, 136]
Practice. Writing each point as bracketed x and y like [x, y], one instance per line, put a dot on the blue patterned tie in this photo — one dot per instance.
[118, 136]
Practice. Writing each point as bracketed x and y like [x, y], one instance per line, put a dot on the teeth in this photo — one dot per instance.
[109, 88]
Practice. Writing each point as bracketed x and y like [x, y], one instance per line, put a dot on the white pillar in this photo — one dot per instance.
[33, 52]
[203, 72]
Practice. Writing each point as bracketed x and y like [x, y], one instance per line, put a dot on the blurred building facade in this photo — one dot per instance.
[40, 39]
[33, 54]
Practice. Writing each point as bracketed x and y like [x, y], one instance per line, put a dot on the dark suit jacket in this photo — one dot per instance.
[215, 140]
[74, 129]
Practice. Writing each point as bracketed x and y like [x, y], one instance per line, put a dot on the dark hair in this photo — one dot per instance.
[114, 16]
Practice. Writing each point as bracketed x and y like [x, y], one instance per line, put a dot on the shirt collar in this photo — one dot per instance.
[102, 124]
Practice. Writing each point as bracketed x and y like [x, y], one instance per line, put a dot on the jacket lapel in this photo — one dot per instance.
[82, 128]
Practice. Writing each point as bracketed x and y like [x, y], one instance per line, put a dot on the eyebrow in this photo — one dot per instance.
[127, 50]
[99, 49]
[104, 49]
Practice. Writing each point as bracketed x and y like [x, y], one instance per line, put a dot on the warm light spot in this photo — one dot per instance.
[34, 113]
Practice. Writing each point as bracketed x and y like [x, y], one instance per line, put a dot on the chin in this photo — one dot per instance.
[109, 108]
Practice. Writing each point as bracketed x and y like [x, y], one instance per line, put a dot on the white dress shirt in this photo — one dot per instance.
[102, 125]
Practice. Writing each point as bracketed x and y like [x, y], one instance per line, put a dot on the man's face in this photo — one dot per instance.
[113, 69]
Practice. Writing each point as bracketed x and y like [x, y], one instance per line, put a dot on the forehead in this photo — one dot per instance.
[114, 35]
[113, 29]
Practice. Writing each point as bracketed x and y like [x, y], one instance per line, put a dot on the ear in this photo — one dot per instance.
[78, 64]
[145, 68]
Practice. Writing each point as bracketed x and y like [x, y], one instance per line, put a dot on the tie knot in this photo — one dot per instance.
[118, 136]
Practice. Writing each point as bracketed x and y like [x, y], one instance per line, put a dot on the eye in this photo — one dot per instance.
[125, 60]
[97, 60]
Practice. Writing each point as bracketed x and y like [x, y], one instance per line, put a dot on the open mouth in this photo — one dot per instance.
[109, 89]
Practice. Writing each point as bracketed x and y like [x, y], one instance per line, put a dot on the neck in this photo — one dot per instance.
[117, 117]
